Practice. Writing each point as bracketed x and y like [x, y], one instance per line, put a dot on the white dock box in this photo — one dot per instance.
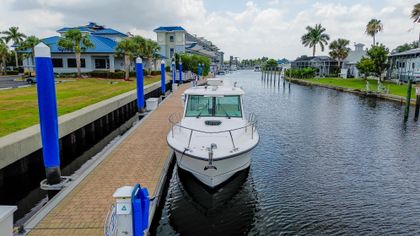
[152, 103]
[6, 220]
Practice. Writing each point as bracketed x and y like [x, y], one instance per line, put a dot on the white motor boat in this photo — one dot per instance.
[212, 139]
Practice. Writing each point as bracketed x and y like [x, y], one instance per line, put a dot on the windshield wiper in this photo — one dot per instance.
[201, 111]
[227, 114]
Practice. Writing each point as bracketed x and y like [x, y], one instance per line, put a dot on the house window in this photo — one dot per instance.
[57, 62]
[412, 65]
[101, 63]
[171, 38]
[71, 63]
[172, 52]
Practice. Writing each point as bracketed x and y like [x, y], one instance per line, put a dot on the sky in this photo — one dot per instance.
[242, 28]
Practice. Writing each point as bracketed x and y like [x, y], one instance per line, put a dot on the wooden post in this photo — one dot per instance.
[416, 113]
[408, 100]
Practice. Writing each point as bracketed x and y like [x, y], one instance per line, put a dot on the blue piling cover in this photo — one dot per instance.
[180, 73]
[145, 204]
[140, 203]
[162, 80]
[137, 211]
[47, 105]
[140, 85]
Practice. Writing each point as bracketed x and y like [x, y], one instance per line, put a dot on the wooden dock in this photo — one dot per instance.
[139, 158]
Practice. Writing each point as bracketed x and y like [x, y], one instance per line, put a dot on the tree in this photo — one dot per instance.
[315, 36]
[16, 37]
[406, 46]
[76, 41]
[415, 15]
[127, 48]
[373, 27]
[365, 66]
[339, 50]
[30, 43]
[4, 52]
[379, 55]
[149, 51]
[270, 64]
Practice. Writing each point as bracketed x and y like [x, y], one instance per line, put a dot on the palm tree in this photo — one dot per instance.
[16, 37]
[339, 50]
[373, 27]
[75, 41]
[150, 50]
[315, 36]
[30, 43]
[4, 52]
[128, 49]
[415, 15]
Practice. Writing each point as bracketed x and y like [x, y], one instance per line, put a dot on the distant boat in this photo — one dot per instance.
[257, 68]
[213, 140]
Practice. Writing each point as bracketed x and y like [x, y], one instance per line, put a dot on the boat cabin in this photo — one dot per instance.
[214, 101]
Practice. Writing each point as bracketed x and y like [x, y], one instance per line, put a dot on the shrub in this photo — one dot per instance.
[107, 74]
[308, 72]
[155, 72]
[65, 75]
[12, 72]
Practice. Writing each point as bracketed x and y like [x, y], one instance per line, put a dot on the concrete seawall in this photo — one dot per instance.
[22, 143]
[388, 97]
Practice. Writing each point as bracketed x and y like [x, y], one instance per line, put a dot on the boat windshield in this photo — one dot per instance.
[221, 106]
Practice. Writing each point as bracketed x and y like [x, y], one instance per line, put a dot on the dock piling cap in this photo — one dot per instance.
[123, 192]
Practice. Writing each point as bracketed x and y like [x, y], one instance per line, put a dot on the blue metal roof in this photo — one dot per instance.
[101, 45]
[93, 28]
[169, 28]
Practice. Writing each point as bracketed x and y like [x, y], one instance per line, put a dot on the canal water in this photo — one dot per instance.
[328, 163]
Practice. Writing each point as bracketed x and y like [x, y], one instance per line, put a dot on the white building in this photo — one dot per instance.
[349, 64]
[404, 65]
[175, 39]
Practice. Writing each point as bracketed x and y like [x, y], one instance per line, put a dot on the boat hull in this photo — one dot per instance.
[225, 168]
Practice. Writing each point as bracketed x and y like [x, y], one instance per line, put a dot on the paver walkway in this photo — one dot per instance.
[140, 158]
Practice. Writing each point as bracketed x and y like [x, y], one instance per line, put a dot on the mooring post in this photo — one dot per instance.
[140, 84]
[47, 106]
[198, 71]
[408, 100]
[162, 77]
[416, 113]
[180, 71]
[173, 72]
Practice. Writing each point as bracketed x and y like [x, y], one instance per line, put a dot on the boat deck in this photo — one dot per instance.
[140, 158]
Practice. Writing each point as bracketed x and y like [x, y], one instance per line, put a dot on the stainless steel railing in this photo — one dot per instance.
[251, 124]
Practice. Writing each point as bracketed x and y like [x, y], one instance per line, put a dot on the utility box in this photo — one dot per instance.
[6, 220]
[152, 103]
[124, 211]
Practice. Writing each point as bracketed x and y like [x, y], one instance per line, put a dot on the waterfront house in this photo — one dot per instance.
[100, 57]
[404, 65]
[348, 68]
[324, 65]
[175, 39]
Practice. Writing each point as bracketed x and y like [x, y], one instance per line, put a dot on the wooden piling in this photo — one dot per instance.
[416, 113]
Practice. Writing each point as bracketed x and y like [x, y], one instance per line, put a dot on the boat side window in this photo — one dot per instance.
[228, 106]
[199, 106]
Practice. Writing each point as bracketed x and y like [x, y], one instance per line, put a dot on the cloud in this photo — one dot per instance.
[265, 28]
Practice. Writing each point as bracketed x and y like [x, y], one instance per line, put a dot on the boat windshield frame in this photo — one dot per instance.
[213, 106]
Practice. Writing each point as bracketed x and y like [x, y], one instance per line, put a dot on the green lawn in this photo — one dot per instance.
[19, 107]
[399, 90]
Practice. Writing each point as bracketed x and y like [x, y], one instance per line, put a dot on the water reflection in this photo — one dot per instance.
[328, 163]
[194, 209]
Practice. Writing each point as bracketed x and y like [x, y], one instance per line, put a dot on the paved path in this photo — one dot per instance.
[138, 159]
[8, 81]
